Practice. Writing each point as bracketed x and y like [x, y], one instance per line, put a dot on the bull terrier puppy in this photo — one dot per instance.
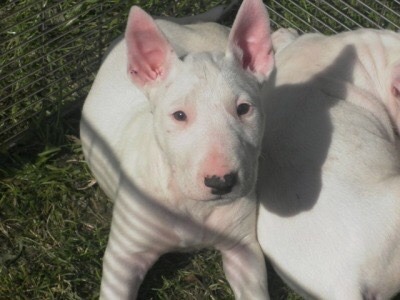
[172, 131]
[329, 174]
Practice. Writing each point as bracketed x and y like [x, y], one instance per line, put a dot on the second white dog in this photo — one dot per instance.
[329, 180]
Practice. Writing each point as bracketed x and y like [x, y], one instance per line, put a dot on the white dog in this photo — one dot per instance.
[329, 180]
[173, 137]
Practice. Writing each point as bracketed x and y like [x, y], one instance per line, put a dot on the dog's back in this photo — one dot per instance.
[330, 170]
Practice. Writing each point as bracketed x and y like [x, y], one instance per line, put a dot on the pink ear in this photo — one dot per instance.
[394, 101]
[250, 39]
[149, 53]
[396, 82]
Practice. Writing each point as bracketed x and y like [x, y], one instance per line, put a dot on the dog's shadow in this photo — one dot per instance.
[298, 134]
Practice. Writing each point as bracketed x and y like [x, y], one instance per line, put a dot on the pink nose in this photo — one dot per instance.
[221, 186]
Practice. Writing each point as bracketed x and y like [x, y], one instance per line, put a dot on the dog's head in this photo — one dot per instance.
[206, 107]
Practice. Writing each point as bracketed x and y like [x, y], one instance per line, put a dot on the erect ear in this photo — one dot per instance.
[149, 53]
[250, 39]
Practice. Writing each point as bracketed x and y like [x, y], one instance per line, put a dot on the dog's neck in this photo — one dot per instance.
[151, 176]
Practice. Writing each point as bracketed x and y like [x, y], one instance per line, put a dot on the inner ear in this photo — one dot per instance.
[395, 92]
[250, 39]
[396, 87]
[395, 80]
[149, 53]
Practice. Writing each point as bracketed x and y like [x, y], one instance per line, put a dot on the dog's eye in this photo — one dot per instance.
[179, 116]
[243, 109]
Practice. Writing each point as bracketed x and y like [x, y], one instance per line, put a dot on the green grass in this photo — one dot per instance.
[54, 221]
[53, 228]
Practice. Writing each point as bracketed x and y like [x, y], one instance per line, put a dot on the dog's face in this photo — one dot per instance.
[208, 122]
[206, 109]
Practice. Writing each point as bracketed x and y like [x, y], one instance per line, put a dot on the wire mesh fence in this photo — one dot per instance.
[50, 50]
[331, 17]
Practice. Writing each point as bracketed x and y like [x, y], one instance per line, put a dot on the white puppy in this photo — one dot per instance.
[174, 138]
[329, 180]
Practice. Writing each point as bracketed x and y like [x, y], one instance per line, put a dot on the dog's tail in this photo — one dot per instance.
[216, 14]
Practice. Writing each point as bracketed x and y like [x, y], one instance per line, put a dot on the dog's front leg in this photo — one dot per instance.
[131, 249]
[246, 272]
[124, 271]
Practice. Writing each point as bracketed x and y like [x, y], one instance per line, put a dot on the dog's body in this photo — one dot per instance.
[173, 137]
[329, 181]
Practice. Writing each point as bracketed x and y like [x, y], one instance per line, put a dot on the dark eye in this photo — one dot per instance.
[243, 109]
[179, 116]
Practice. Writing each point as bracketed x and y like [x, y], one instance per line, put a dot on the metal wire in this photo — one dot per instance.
[291, 24]
[376, 12]
[343, 15]
[59, 37]
[37, 70]
[48, 57]
[41, 13]
[292, 14]
[50, 51]
[321, 15]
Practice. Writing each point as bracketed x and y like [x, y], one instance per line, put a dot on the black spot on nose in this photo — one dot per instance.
[221, 186]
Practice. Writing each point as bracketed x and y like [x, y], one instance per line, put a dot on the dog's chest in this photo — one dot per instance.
[207, 226]
[191, 235]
